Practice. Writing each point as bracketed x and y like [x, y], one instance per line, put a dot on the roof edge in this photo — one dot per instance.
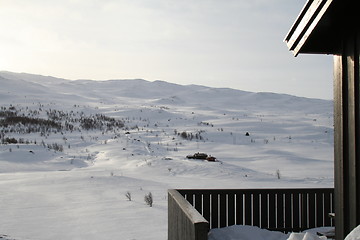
[305, 23]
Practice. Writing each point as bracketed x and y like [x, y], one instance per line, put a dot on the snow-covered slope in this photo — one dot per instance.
[70, 181]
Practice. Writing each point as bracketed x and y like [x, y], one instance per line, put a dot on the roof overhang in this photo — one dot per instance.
[317, 28]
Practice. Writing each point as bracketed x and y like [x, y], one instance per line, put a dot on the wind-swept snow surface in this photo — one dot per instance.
[72, 152]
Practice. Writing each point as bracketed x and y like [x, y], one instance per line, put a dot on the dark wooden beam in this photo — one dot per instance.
[347, 135]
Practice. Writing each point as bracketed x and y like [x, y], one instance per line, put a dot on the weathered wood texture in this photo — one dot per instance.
[332, 27]
[347, 134]
[274, 209]
[184, 222]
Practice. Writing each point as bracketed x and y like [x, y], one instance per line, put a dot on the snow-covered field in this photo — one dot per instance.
[70, 182]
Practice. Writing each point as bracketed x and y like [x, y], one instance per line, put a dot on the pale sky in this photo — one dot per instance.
[217, 43]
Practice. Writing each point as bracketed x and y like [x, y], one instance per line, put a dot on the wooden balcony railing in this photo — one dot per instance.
[283, 210]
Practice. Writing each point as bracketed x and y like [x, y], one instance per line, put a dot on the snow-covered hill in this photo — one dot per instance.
[70, 181]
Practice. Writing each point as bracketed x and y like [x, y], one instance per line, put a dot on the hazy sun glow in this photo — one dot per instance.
[235, 44]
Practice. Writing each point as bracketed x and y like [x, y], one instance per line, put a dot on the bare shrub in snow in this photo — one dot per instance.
[149, 199]
[128, 195]
[184, 135]
[278, 175]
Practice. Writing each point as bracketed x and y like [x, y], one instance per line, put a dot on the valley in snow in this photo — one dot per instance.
[108, 141]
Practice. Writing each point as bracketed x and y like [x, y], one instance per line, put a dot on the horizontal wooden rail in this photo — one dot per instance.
[283, 210]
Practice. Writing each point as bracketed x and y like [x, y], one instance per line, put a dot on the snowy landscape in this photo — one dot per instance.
[94, 159]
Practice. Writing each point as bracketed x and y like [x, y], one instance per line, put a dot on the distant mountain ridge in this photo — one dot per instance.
[15, 85]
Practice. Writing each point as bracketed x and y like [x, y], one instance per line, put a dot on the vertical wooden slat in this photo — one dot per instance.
[264, 211]
[223, 212]
[214, 210]
[206, 206]
[272, 211]
[327, 209]
[320, 209]
[248, 209]
[198, 202]
[296, 212]
[256, 209]
[312, 210]
[352, 135]
[231, 209]
[356, 184]
[304, 210]
[239, 209]
[280, 211]
[338, 143]
[288, 211]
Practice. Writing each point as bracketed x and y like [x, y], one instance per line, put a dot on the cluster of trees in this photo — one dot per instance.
[206, 124]
[100, 122]
[8, 140]
[19, 121]
[28, 121]
[13, 121]
[190, 136]
[54, 146]
[75, 121]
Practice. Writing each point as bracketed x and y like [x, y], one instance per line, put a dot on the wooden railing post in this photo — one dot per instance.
[184, 222]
